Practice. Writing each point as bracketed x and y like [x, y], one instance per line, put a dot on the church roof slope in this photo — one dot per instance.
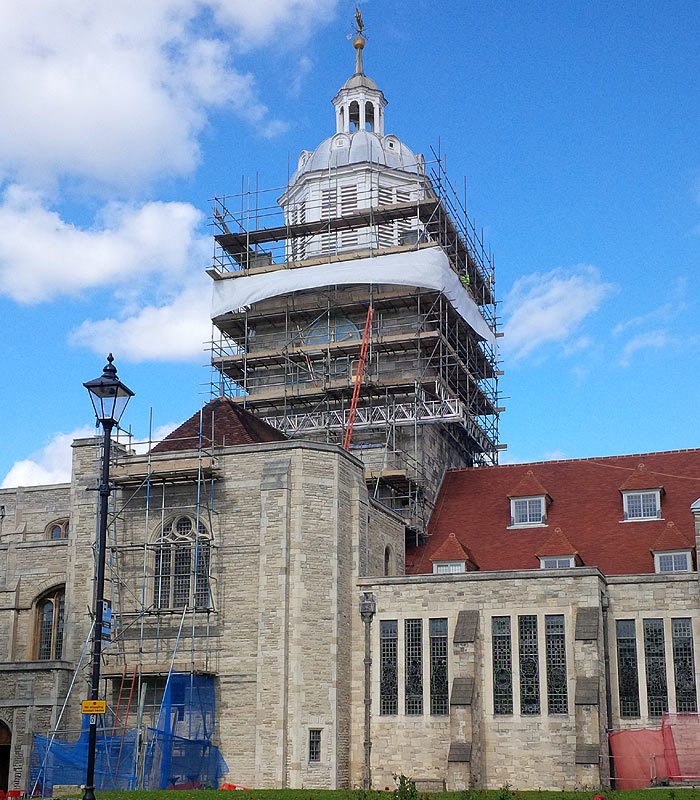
[585, 502]
[223, 424]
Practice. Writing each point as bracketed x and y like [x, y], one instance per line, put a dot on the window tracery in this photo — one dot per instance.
[50, 613]
[182, 560]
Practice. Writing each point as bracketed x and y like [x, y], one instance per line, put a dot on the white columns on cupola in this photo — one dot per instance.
[359, 105]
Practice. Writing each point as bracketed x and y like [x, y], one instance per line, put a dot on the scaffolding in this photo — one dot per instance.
[429, 395]
[160, 649]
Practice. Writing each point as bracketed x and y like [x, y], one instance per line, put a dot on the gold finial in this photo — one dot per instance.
[359, 41]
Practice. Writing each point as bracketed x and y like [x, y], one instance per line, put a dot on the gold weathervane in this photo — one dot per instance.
[358, 21]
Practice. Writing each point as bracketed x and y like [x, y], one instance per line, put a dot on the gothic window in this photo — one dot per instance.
[627, 671]
[439, 703]
[58, 529]
[555, 645]
[414, 666]
[529, 665]
[388, 667]
[182, 565]
[50, 610]
[684, 665]
[502, 666]
[655, 662]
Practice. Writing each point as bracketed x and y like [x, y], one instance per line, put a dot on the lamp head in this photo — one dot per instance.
[109, 395]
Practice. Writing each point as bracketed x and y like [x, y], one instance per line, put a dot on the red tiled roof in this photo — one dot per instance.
[451, 550]
[528, 486]
[586, 503]
[671, 539]
[641, 478]
[557, 545]
[223, 423]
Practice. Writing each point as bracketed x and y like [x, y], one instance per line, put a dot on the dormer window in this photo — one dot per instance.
[673, 561]
[527, 511]
[449, 567]
[642, 505]
[557, 562]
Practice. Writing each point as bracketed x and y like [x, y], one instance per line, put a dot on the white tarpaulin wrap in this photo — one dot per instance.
[429, 269]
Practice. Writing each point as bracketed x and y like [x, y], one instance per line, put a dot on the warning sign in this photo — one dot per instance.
[94, 706]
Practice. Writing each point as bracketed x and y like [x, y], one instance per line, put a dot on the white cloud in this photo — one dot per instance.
[52, 464]
[42, 256]
[645, 341]
[175, 331]
[119, 92]
[549, 307]
[554, 455]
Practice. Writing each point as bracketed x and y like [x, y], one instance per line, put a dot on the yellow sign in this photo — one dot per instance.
[94, 706]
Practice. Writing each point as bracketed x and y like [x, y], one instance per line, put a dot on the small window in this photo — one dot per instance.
[678, 561]
[387, 560]
[525, 511]
[314, 746]
[449, 567]
[557, 562]
[58, 529]
[642, 505]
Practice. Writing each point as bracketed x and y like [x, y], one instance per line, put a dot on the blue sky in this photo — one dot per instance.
[576, 125]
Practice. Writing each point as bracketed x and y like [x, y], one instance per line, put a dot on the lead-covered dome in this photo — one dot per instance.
[359, 147]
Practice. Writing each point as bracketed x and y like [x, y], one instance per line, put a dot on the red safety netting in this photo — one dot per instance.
[645, 757]
[639, 758]
[681, 735]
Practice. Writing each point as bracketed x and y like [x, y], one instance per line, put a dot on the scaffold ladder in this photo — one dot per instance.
[358, 377]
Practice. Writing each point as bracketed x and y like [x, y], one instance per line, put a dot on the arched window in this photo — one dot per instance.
[50, 609]
[369, 116]
[182, 565]
[58, 529]
[387, 560]
[354, 116]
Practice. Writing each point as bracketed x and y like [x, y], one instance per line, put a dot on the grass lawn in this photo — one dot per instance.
[320, 794]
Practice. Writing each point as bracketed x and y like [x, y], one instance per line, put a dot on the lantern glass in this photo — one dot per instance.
[109, 395]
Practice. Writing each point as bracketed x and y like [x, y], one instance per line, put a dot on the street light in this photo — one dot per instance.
[109, 397]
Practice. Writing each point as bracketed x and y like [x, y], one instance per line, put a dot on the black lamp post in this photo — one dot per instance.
[109, 398]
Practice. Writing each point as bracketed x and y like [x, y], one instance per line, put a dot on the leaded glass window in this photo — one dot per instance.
[388, 667]
[655, 662]
[414, 666]
[627, 670]
[555, 644]
[439, 695]
[58, 529]
[177, 581]
[529, 665]
[50, 611]
[502, 666]
[684, 665]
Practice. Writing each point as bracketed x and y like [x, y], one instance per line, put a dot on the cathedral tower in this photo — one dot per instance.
[368, 241]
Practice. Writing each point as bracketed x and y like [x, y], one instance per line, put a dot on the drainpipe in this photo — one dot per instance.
[368, 607]
[605, 605]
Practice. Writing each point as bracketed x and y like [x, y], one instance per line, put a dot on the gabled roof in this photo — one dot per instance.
[223, 423]
[587, 505]
[557, 545]
[671, 539]
[528, 486]
[641, 478]
[452, 550]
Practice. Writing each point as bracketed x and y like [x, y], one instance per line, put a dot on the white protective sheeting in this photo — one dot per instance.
[428, 268]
